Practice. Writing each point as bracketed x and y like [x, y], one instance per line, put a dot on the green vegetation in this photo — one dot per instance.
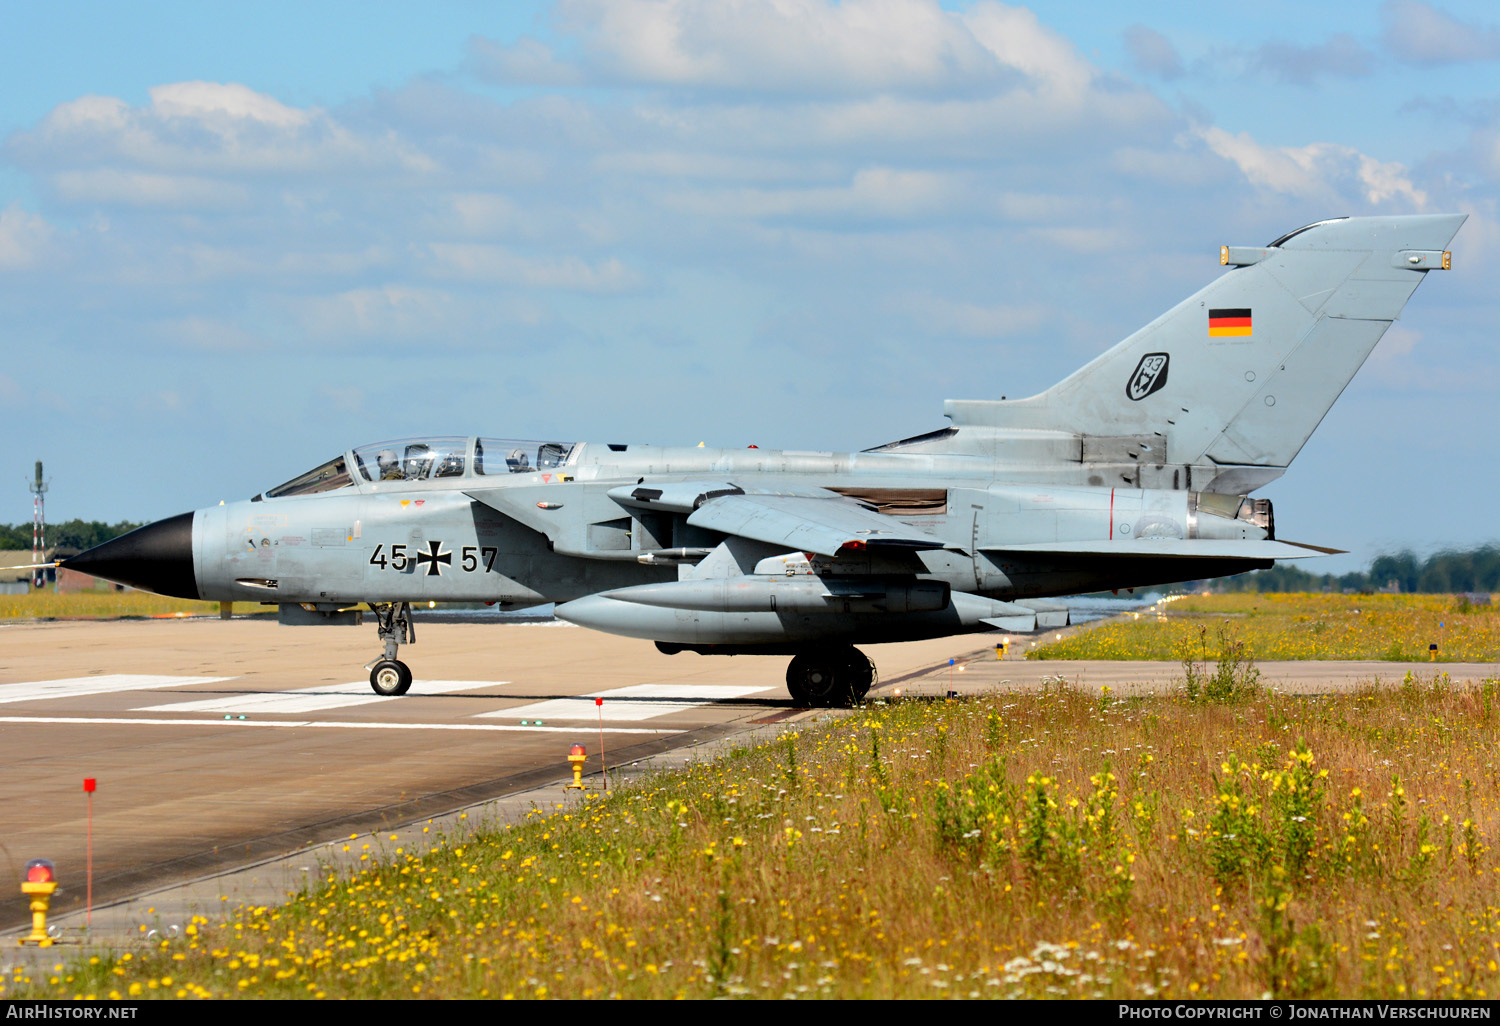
[1062, 844]
[1273, 626]
[1451, 570]
[78, 534]
[1234, 676]
[106, 603]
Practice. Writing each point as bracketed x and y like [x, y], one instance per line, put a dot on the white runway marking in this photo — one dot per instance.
[126, 721]
[316, 699]
[102, 684]
[636, 702]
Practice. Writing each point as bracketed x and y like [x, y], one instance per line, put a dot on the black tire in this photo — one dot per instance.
[861, 673]
[829, 679]
[390, 677]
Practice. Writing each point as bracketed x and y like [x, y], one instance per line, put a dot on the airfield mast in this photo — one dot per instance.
[38, 526]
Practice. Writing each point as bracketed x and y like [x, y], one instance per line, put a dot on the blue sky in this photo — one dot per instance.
[235, 239]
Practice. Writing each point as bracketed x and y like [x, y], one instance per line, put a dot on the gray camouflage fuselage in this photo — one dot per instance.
[1133, 471]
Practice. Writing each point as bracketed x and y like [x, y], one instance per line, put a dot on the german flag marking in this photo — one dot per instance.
[1228, 322]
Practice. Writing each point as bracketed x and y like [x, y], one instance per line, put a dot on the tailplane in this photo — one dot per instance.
[1222, 391]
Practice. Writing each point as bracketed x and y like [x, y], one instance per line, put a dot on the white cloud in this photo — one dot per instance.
[24, 238]
[1094, 239]
[1152, 52]
[1280, 169]
[879, 193]
[1184, 163]
[204, 128]
[480, 262]
[1419, 33]
[807, 49]
[1018, 40]
[1339, 55]
[222, 103]
[780, 46]
[1317, 170]
[207, 333]
[385, 311]
[1399, 365]
[528, 61]
[1386, 181]
[939, 315]
[110, 186]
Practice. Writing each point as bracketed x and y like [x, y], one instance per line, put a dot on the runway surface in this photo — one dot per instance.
[219, 744]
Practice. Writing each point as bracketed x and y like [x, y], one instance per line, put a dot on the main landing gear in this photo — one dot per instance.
[390, 676]
[830, 677]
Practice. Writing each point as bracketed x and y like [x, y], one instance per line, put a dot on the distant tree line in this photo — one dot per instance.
[77, 534]
[1449, 571]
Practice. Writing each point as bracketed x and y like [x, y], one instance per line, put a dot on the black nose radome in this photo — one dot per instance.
[157, 557]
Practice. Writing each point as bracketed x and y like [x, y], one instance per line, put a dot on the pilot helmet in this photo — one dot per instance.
[386, 460]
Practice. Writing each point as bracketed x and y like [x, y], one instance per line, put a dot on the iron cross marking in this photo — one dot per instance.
[432, 557]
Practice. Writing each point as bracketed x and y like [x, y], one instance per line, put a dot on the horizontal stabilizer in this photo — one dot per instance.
[1049, 615]
[1018, 617]
[1013, 624]
[1173, 548]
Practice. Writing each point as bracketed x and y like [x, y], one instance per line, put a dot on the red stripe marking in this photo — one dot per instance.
[1111, 514]
[1229, 322]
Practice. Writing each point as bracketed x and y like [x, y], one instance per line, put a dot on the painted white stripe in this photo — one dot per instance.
[682, 692]
[315, 699]
[584, 709]
[102, 684]
[636, 702]
[321, 724]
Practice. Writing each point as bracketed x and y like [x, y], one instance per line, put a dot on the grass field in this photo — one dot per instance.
[1398, 628]
[1063, 844]
[109, 604]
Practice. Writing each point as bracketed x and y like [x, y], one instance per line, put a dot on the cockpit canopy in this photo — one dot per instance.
[428, 459]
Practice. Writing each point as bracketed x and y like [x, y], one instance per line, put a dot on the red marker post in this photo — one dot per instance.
[89, 786]
[599, 704]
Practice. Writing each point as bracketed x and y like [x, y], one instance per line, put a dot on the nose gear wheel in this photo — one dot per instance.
[389, 676]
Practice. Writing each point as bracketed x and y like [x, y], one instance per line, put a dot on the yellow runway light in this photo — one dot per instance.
[577, 755]
[39, 884]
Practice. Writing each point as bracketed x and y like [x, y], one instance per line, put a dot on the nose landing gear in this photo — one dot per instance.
[390, 676]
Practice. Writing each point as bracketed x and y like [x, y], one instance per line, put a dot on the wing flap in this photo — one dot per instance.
[808, 523]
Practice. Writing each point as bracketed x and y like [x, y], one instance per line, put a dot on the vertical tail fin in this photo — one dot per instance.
[1235, 379]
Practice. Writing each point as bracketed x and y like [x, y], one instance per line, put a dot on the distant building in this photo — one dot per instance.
[14, 581]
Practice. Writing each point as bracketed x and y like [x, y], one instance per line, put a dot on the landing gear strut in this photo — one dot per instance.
[390, 676]
[830, 677]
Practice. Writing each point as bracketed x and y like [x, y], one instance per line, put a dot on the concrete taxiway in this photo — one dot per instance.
[234, 760]
[215, 744]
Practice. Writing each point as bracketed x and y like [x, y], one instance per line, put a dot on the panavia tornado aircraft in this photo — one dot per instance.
[1135, 470]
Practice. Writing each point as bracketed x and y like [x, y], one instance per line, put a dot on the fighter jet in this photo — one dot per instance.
[1135, 470]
